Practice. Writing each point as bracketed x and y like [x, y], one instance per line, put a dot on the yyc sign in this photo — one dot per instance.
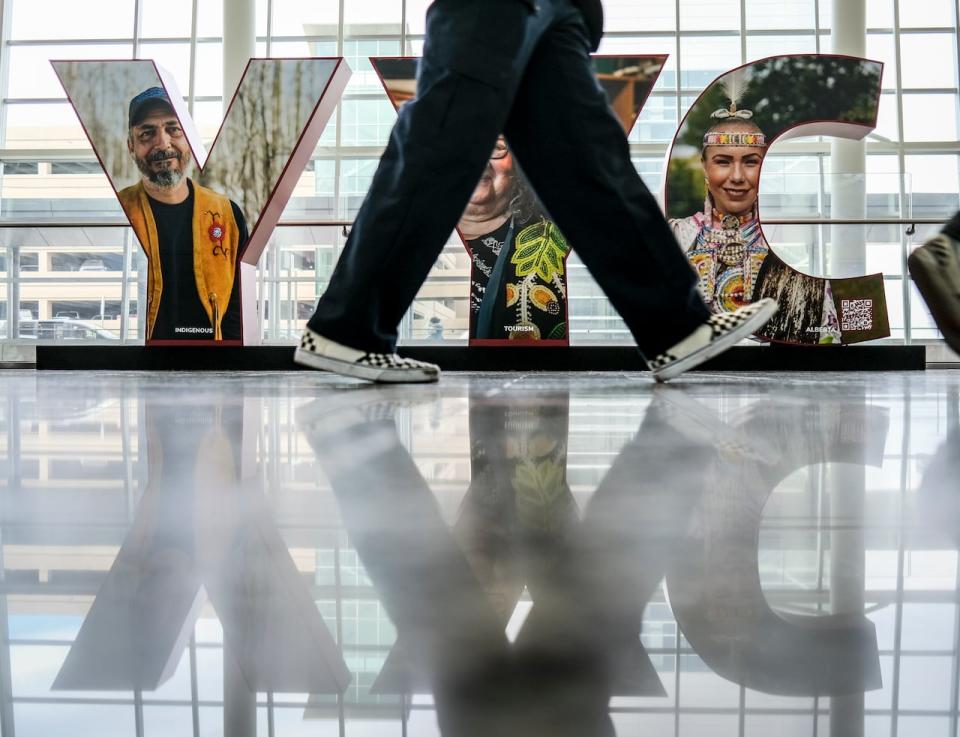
[204, 220]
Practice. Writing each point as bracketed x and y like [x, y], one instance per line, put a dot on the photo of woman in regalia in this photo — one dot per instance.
[724, 242]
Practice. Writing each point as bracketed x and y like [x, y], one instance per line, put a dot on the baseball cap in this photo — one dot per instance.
[150, 99]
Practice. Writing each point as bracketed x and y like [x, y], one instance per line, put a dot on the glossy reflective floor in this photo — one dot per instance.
[502, 555]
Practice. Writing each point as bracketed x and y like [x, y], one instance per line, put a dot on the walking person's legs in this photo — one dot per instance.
[935, 268]
[575, 154]
[473, 58]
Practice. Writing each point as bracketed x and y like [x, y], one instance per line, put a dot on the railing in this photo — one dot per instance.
[286, 285]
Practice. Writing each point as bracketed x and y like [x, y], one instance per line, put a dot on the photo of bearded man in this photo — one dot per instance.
[193, 236]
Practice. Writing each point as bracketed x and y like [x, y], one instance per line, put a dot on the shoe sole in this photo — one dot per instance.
[937, 292]
[368, 373]
[718, 346]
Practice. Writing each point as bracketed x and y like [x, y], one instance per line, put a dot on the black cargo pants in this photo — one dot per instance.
[521, 67]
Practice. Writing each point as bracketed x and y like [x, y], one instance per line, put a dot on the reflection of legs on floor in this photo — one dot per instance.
[394, 523]
[935, 268]
[449, 636]
[621, 551]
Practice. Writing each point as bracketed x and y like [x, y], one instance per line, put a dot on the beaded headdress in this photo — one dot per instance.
[735, 86]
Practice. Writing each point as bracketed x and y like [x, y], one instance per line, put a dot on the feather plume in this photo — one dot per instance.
[735, 86]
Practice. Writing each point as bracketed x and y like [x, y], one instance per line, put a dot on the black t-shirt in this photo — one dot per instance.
[181, 315]
[483, 253]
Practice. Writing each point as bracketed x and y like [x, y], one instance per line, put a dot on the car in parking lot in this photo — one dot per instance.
[64, 329]
[93, 264]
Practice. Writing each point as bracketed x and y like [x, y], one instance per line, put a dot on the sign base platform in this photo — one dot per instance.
[462, 358]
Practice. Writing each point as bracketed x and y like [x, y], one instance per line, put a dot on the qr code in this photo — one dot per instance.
[856, 314]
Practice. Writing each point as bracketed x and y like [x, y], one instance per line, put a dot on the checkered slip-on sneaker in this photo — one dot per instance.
[318, 352]
[712, 338]
[935, 268]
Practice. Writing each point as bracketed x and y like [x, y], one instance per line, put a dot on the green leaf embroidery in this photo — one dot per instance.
[542, 496]
[559, 332]
[541, 248]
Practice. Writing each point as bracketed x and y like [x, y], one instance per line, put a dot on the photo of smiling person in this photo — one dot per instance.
[202, 216]
[712, 195]
[724, 242]
[192, 235]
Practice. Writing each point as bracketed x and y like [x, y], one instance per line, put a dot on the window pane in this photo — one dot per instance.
[297, 18]
[630, 15]
[41, 81]
[304, 48]
[928, 626]
[52, 125]
[780, 14]
[759, 47]
[367, 122]
[209, 82]
[925, 682]
[709, 15]
[658, 120]
[716, 725]
[880, 13]
[926, 13]
[704, 58]
[917, 50]
[175, 58]
[358, 52]
[355, 177]
[934, 182]
[210, 18]
[372, 17]
[880, 47]
[166, 18]
[43, 720]
[757, 725]
[888, 127]
[167, 721]
[929, 117]
[66, 19]
[417, 15]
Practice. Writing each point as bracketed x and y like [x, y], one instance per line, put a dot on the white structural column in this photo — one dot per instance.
[846, 255]
[239, 702]
[846, 487]
[239, 43]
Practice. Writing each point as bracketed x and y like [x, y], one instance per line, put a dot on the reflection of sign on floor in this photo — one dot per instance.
[519, 295]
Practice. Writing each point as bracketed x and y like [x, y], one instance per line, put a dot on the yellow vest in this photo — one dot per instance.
[214, 272]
